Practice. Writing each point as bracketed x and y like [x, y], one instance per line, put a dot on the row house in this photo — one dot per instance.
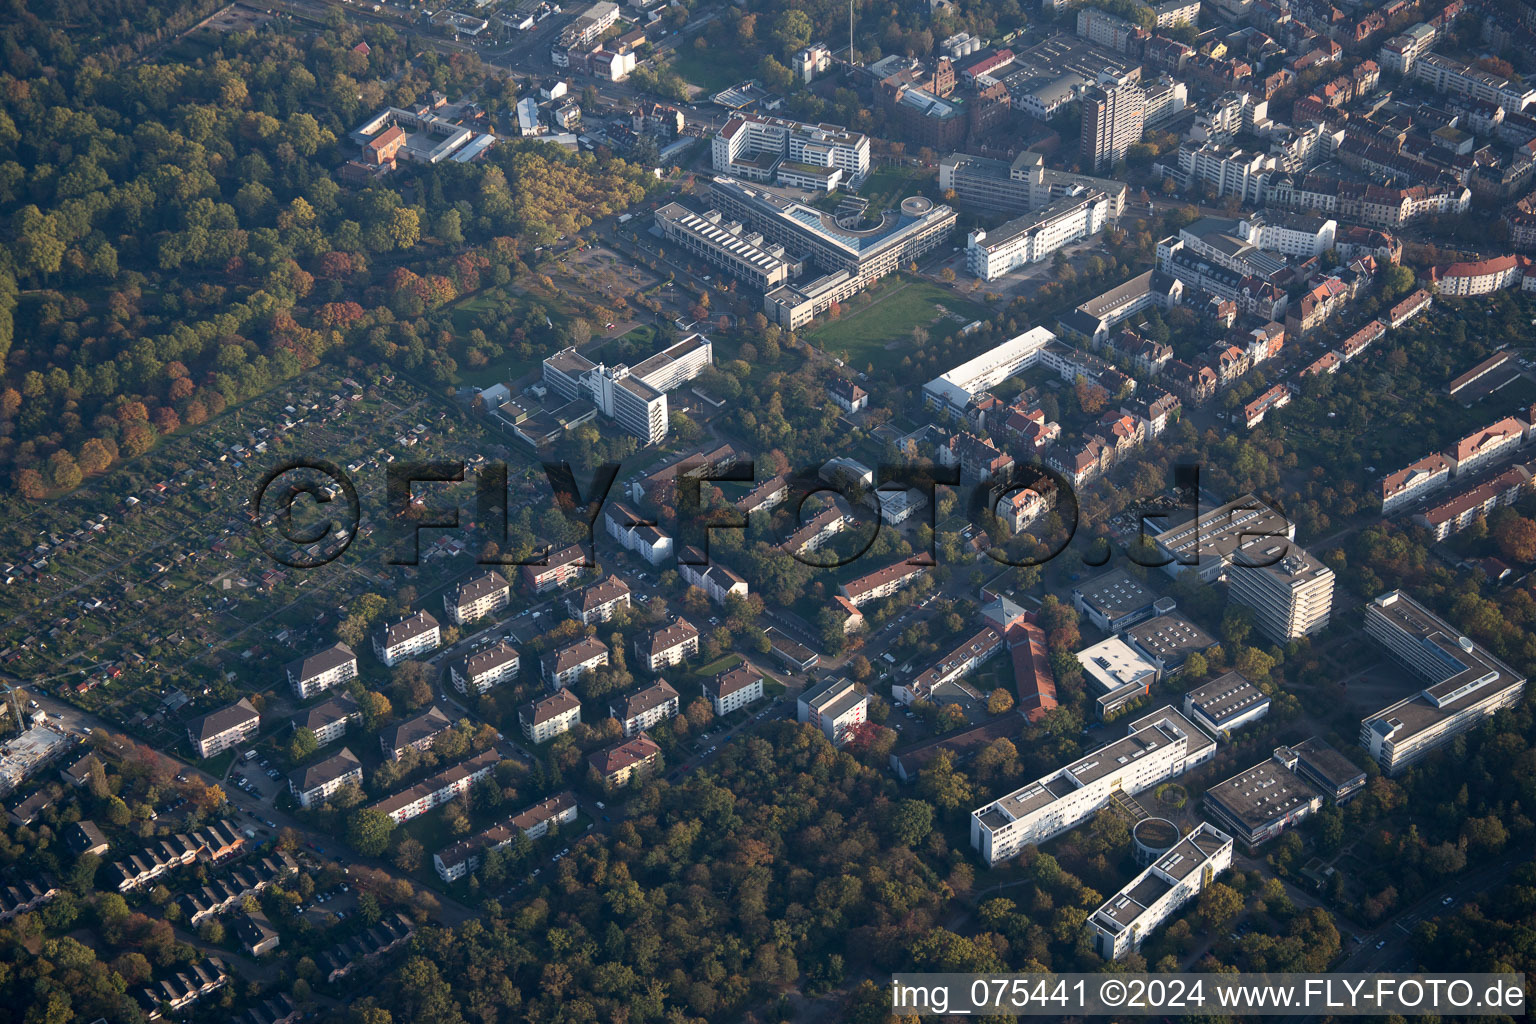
[1477, 278]
[670, 645]
[558, 569]
[1408, 485]
[483, 594]
[406, 637]
[1082, 462]
[383, 938]
[1155, 408]
[244, 880]
[636, 535]
[1361, 340]
[1409, 308]
[321, 671]
[548, 717]
[25, 896]
[599, 602]
[1326, 363]
[646, 708]
[183, 989]
[480, 671]
[1145, 355]
[439, 789]
[1317, 306]
[565, 665]
[212, 843]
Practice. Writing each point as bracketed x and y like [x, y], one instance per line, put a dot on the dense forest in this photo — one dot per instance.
[177, 241]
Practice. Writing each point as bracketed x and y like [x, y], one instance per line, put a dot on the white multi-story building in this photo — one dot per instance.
[1225, 704]
[1114, 114]
[669, 645]
[330, 720]
[1482, 446]
[321, 671]
[882, 582]
[1206, 544]
[219, 730]
[1227, 171]
[477, 597]
[1400, 53]
[734, 689]
[482, 670]
[645, 709]
[1034, 236]
[1406, 486]
[961, 661]
[636, 535]
[1443, 74]
[1301, 237]
[752, 146]
[1119, 926]
[599, 602]
[836, 706]
[1482, 277]
[549, 717]
[1158, 747]
[743, 253]
[466, 856]
[406, 637]
[315, 784]
[1467, 684]
[954, 390]
[565, 665]
[634, 396]
[433, 792]
[718, 582]
[1289, 592]
[1118, 674]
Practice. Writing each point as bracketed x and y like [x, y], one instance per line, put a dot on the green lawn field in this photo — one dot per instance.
[883, 329]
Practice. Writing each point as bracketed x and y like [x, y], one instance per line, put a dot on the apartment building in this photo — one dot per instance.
[670, 645]
[544, 719]
[836, 706]
[1482, 277]
[1462, 509]
[466, 856]
[1225, 704]
[634, 758]
[599, 602]
[847, 395]
[718, 582]
[1289, 592]
[329, 721]
[1485, 445]
[819, 531]
[480, 671]
[406, 637]
[1159, 747]
[734, 689]
[560, 568]
[440, 788]
[1165, 886]
[1408, 485]
[1466, 684]
[633, 396]
[882, 582]
[1025, 183]
[766, 496]
[564, 666]
[1034, 236]
[482, 594]
[1443, 74]
[314, 784]
[416, 732]
[645, 709]
[219, 730]
[321, 671]
[1400, 53]
[636, 535]
[1114, 114]
[1206, 543]
[1259, 803]
[968, 656]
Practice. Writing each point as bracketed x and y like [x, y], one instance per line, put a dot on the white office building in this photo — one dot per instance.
[1119, 926]
[1035, 236]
